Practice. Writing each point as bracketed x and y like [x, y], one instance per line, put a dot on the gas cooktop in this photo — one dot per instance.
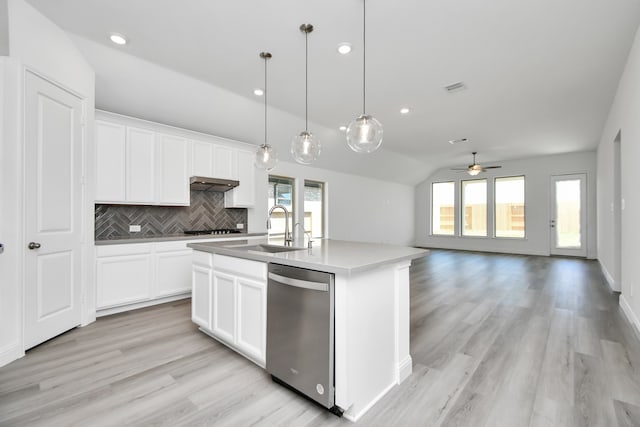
[213, 231]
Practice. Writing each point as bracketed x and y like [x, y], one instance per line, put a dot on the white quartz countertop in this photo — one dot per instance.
[333, 256]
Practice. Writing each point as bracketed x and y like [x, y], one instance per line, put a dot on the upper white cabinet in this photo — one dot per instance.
[243, 196]
[110, 166]
[144, 163]
[140, 161]
[201, 158]
[224, 163]
[173, 170]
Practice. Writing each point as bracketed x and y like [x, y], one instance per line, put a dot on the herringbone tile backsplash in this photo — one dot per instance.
[206, 212]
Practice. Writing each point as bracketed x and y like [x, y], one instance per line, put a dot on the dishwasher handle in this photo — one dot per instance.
[305, 284]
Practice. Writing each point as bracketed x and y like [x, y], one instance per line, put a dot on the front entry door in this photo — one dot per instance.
[568, 216]
[53, 148]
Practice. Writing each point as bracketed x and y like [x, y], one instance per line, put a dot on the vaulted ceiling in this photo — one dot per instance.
[540, 76]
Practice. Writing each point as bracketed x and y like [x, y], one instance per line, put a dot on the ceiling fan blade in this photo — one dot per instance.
[491, 167]
[459, 169]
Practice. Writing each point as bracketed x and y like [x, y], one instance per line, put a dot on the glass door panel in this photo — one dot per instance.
[568, 215]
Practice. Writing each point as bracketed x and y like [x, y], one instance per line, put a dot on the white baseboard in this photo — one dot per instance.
[355, 417]
[10, 353]
[135, 306]
[404, 369]
[609, 278]
[628, 312]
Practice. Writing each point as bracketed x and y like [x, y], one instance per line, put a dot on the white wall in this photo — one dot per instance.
[624, 117]
[37, 44]
[359, 209]
[10, 235]
[537, 171]
[4, 28]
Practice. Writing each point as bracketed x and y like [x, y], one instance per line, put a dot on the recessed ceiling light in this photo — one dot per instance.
[258, 92]
[343, 128]
[404, 110]
[118, 39]
[344, 48]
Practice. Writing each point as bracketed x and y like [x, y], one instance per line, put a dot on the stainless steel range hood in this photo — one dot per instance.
[203, 183]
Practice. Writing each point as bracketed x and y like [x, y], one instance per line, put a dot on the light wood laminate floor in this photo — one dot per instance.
[496, 340]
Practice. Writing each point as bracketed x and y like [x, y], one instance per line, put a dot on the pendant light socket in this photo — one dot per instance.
[364, 134]
[305, 148]
[266, 156]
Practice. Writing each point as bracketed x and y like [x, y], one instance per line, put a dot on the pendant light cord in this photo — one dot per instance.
[265, 100]
[306, 81]
[364, 57]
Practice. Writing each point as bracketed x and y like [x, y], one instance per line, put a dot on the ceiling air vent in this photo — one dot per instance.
[455, 87]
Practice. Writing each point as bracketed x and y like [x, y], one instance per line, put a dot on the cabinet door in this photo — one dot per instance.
[224, 165]
[140, 174]
[243, 196]
[110, 162]
[202, 159]
[123, 279]
[173, 170]
[224, 303]
[251, 317]
[173, 272]
[201, 296]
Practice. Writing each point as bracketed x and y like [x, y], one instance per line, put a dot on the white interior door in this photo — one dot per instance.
[568, 216]
[53, 138]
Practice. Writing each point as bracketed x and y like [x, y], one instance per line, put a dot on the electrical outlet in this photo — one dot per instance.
[134, 228]
[240, 226]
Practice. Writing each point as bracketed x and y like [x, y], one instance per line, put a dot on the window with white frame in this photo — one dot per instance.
[474, 207]
[509, 207]
[443, 208]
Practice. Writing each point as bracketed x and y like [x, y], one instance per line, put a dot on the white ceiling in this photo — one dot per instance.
[541, 75]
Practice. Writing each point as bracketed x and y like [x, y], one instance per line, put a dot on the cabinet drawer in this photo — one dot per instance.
[203, 259]
[248, 268]
[180, 245]
[128, 249]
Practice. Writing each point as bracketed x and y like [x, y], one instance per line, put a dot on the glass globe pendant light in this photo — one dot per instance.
[364, 134]
[305, 147]
[266, 156]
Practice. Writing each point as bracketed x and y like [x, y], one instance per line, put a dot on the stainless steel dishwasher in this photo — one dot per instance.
[300, 332]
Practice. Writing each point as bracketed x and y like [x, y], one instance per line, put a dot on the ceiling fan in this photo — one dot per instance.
[475, 169]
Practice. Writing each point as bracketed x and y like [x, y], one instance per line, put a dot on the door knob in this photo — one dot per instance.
[33, 245]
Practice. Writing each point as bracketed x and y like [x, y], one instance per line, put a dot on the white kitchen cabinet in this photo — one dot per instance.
[224, 162]
[224, 301]
[110, 161]
[251, 317]
[173, 267]
[140, 163]
[172, 168]
[202, 158]
[123, 275]
[243, 196]
[201, 296]
[238, 302]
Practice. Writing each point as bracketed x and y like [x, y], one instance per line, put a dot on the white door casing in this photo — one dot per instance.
[53, 206]
[560, 217]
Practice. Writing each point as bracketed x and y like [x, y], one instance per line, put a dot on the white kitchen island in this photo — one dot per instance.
[371, 308]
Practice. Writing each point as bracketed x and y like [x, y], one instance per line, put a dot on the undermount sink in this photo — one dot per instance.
[272, 249]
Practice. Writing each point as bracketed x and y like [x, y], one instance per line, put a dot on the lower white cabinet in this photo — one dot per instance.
[123, 275]
[173, 267]
[238, 302]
